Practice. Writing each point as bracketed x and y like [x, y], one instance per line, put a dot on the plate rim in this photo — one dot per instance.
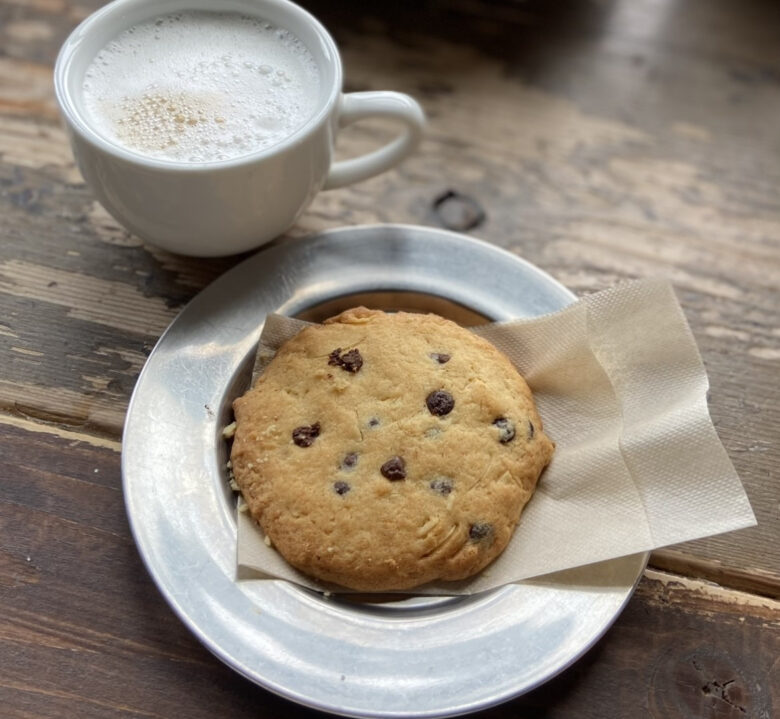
[282, 247]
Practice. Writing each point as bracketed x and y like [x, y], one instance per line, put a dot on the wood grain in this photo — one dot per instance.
[86, 633]
[599, 140]
[604, 152]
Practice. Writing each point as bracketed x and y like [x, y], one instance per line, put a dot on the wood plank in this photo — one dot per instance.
[681, 648]
[84, 632]
[73, 438]
[683, 562]
[601, 141]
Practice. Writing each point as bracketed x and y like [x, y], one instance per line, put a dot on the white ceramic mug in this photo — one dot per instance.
[225, 207]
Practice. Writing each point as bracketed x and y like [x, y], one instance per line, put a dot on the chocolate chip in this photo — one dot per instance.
[441, 485]
[341, 487]
[394, 469]
[350, 361]
[440, 402]
[350, 461]
[506, 430]
[480, 531]
[373, 422]
[305, 435]
[530, 429]
[440, 358]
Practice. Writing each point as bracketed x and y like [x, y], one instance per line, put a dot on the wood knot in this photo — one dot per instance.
[456, 211]
[707, 682]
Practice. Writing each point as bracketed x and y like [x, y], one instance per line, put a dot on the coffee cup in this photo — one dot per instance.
[213, 153]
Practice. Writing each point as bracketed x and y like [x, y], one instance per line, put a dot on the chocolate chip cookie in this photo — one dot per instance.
[382, 451]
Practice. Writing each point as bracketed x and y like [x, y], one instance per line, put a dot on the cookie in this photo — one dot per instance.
[382, 451]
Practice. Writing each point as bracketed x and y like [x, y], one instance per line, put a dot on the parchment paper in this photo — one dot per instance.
[621, 388]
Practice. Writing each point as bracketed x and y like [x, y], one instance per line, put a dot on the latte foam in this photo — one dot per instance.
[201, 87]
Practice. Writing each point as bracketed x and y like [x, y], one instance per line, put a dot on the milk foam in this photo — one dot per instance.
[201, 86]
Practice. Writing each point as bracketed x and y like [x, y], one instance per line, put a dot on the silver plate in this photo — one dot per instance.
[412, 657]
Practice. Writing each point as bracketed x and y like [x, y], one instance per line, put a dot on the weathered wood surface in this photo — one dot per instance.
[599, 140]
[84, 633]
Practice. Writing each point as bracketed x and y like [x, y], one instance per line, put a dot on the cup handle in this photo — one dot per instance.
[356, 106]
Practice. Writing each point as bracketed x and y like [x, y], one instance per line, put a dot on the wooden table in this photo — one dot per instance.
[599, 140]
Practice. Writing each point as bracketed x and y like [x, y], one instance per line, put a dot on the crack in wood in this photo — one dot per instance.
[60, 432]
[720, 691]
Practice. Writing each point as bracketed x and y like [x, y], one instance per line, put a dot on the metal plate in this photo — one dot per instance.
[413, 657]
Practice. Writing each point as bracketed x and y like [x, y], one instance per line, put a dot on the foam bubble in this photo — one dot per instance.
[218, 86]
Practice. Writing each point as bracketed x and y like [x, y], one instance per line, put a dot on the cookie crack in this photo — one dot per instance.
[359, 426]
[482, 478]
[440, 546]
